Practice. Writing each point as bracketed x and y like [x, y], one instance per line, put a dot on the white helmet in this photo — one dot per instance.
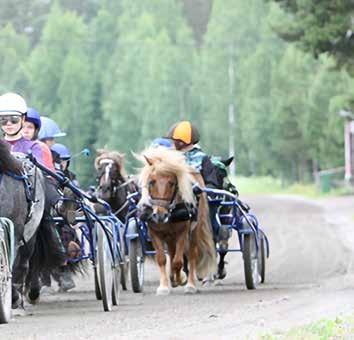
[12, 104]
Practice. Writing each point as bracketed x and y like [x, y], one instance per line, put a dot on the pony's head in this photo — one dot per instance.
[110, 173]
[166, 179]
[214, 175]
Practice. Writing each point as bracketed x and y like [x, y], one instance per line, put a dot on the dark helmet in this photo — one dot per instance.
[183, 134]
[62, 151]
[33, 117]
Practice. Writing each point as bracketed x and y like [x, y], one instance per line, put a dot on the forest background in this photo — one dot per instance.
[117, 74]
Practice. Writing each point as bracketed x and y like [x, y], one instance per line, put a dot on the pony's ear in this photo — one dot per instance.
[228, 161]
[149, 161]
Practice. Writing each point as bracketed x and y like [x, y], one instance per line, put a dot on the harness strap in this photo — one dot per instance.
[121, 208]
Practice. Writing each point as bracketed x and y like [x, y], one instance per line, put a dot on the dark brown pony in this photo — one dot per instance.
[113, 182]
[166, 182]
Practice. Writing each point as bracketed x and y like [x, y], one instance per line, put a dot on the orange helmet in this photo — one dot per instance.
[184, 132]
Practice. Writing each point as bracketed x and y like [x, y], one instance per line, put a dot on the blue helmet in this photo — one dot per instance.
[33, 116]
[49, 129]
[165, 142]
[62, 151]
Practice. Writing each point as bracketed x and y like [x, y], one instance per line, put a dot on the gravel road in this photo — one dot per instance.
[310, 275]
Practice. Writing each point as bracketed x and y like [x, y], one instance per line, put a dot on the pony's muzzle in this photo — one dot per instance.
[160, 215]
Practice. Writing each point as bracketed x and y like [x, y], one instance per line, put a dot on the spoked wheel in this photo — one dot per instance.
[105, 269]
[250, 261]
[136, 259]
[262, 255]
[117, 279]
[5, 281]
[97, 285]
[124, 267]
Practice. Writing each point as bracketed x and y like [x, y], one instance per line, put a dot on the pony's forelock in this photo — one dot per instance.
[166, 161]
[115, 156]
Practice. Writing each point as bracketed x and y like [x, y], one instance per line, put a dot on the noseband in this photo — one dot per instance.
[166, 203]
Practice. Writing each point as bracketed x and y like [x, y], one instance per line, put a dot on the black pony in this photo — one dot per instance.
[35, 242]
[216, 177]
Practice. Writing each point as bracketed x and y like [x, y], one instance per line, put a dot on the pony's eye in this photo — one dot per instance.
[171, 184]
[152, 182]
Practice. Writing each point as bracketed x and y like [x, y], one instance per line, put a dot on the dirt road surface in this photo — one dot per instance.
[310, 275]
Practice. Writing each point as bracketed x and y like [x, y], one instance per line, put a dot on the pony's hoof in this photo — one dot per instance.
[162, 290]
[207, 283]
[33, 297]
[174, 283]
[189, 289]
[221, 274]
[183, 278]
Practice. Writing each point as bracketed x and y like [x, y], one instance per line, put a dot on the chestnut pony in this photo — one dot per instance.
[167, 182]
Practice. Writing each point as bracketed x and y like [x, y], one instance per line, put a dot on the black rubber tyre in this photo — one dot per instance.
[250, 261]
[116, 285]
[97, 285]
[136, 259]
[5, 280]
[105, 269]
[124, 267]
[262, 257]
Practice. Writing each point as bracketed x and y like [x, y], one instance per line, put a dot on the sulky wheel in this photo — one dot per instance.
[136, 259]
[124, 267]
[116, 284]
[262, 255]
[250, 260]
[105, 269]
[97, 285]
[5, 280]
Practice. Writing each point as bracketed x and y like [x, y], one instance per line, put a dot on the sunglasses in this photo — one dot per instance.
[12, 119]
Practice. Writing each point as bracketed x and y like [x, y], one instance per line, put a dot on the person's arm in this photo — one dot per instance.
[37, 152]
[47, 157]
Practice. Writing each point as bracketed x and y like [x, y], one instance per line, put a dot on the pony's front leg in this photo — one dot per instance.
[177, 262]
[163, 288]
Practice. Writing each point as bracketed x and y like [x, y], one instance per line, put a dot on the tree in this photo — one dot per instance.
[321, 26]
[59, 80]
[14, 49]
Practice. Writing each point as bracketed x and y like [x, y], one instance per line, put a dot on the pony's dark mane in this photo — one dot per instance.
[7, 162]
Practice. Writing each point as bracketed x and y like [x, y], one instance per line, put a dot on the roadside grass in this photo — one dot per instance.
[340, 328]
[270, 185]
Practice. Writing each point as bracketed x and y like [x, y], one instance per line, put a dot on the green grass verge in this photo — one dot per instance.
[270, 185]
[340, 328]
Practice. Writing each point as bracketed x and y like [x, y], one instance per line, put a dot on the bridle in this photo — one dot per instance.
[116, 184]
[167, 203]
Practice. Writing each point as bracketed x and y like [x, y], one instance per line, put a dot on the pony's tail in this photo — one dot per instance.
[49, 253]
[206, 262]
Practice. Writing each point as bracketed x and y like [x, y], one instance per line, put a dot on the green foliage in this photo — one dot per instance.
[14, 48]
[320, 26]
[118, 73]
[339, 328]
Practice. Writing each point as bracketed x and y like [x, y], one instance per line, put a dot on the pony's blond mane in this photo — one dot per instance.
[160, 160]
[115, 156]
